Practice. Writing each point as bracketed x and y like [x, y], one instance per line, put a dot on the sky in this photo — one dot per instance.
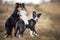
[28, 1]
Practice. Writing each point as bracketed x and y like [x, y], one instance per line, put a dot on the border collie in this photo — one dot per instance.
[12, 20]
[20, 26]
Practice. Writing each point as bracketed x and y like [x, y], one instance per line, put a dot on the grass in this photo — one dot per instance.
[4, 8]
[48, 25]
[1, 37]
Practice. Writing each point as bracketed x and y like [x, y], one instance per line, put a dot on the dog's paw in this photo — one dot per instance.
[36, 34]
[19, 36]
[5, 36]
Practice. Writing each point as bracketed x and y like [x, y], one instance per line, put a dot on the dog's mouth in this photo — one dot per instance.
[36, 20]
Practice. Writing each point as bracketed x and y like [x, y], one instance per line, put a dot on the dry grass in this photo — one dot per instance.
[48, 25]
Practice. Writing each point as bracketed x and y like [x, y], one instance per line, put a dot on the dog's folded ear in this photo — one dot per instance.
[17, 4]
[23, 5]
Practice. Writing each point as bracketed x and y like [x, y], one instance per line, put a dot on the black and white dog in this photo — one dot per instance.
[12, 20]
[21, 25]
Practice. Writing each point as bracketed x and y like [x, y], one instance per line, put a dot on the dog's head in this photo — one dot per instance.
[36, 15]
[17, 5]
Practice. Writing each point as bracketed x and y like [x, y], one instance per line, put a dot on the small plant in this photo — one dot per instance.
[0, 37]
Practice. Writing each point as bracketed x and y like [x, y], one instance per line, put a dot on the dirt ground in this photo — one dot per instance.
[48, 25]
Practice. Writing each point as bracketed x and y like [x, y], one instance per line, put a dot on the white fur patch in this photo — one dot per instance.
[5, 36]
[24, 17]
[19, 36]
[31, 33]
[35, 34]
[36, 18]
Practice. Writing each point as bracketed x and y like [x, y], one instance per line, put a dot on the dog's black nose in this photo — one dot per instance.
[36, 19]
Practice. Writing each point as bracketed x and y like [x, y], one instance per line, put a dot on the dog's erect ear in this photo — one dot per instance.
[34, 13]
[39, 14]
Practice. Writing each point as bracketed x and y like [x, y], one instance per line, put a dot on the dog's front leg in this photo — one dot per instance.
[31, 33]
[35, 33]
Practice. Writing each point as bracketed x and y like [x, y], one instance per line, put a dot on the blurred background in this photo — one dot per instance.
[48, 25]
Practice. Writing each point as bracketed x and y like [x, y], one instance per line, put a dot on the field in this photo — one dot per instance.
[48, 25]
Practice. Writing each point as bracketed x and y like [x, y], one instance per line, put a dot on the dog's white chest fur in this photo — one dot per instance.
[24, 17]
